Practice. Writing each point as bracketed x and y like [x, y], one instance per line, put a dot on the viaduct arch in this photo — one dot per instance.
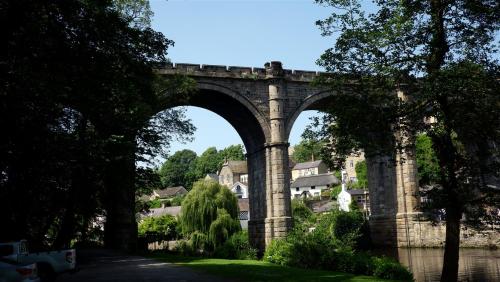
[262, 104]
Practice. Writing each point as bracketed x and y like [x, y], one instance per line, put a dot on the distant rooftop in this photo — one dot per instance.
[157, 212]
[307, 165]
[357, 191]
[237, 166]
[170, 191]
[315, 180]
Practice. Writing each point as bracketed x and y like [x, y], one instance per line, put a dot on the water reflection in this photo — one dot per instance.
[474, 264]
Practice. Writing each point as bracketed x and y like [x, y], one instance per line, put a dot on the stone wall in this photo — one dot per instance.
[424, 233]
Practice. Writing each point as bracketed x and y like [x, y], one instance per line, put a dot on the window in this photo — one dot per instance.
[238, 189]
[313, 187]
[243, 215]
[244, 178]
[351, 163]
[297, 189]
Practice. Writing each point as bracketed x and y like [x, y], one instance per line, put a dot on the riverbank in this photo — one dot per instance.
[255, 270]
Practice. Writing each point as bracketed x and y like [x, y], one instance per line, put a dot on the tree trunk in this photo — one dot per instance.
[67, 230]
[120, 229]
[452, 245]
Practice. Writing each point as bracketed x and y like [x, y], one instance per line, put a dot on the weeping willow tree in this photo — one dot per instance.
[209, 215]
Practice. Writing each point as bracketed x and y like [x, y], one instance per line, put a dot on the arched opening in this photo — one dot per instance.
[250, 125]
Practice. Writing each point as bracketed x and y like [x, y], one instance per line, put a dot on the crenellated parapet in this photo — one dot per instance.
[234, 72]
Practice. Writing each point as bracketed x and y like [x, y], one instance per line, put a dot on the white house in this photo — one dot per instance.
[345, 196]
[312, 185]
[308, 168]
[360, 196]
[240, 190]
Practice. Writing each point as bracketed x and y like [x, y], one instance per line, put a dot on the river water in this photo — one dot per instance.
[474, 264]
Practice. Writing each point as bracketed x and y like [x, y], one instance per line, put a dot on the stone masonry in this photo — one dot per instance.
[262, 105]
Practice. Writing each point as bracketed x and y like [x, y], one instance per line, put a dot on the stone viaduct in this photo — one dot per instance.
[262, 104]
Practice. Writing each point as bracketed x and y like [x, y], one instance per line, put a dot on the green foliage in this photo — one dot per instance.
[233, 152]
[303, 216]
[208, 162]
[336, 191]
[75, 130]
[184, 167]
[361, 175]
[212, 210]
[137, 12]
[222, 227]
[178, 170]
[306, 151]
[164, 227]
[156, 203]
[236, 247]
[332, 246]
[445, 53]
[279, 251]
[427, 162]
[387, 268]
[176, 201]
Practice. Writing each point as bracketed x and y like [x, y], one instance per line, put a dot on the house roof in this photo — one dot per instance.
[243, 204]
[323, 206]
[357, 191]
[171, 191]
[315, 180]
[237, 166]
[174, 211]
[213, 176]
[307, 165]
[243, 185]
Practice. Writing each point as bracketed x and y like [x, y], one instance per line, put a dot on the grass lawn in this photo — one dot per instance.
[254, 270]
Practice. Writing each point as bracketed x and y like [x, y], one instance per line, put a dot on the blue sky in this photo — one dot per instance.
[240, 33]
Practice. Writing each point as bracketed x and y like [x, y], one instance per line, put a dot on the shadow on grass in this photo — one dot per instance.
[254, 270]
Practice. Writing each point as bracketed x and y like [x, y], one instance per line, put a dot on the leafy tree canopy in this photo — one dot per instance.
[361, 174]
[178, 170]
[306, 151]
[211, 211]
[91, 89]
[415, 46]
[427, 162]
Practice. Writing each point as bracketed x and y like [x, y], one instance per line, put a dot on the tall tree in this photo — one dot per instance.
[416, 46]
[307, 150]
[233, 152]
[208, 162]
[179, 169]
[72, 130]
[209, 210]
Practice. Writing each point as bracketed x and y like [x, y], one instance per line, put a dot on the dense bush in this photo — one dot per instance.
[279, 251]
[303, 216]
[333, 245]
[390, 269]
[164, 227]
[236, 247]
